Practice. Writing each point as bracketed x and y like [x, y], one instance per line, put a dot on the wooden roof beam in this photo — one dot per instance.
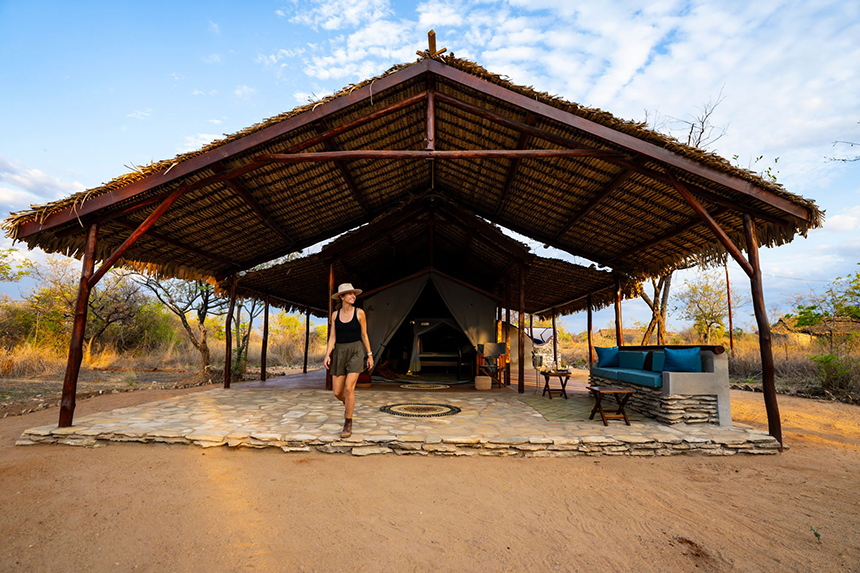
[239, 188]
[692, 224]
[241, 145]
[331, 146]
[173, 242]
[514, 166]
[610, 187]
[619, 138]
[627, 164]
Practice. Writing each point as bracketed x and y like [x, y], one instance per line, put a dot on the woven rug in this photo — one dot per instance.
[424, 386]
[420, 410]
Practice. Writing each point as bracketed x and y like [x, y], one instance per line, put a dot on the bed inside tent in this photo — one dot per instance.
[429, 327]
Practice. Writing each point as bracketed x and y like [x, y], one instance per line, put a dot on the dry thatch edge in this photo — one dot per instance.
[636, 129]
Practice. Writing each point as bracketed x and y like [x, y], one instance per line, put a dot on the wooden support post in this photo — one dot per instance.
[228, 335]
[590, 334]
[307, 339]
[76, 344]
[508, 332]
[718, 231]
[619, 327]
[729, 299]
[554, 343]
[521, 350]
[328, 381]
[135, 235]
[774, 424]
[265, 341]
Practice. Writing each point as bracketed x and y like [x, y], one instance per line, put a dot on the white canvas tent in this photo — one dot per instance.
[473, 312]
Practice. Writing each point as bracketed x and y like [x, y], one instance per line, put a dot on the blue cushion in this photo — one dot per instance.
[641, 378]
[682, 360]
[631, 360]
[611, 373]
[657, 359]
[607, 357]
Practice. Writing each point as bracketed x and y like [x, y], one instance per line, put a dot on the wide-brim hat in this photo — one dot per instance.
[345, 288]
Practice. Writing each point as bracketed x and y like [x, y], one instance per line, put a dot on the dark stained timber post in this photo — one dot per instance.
[328, 381]
[619, 327]
[508, 332]
[307, 339]
[521, 343]
[228, 335]
[729, 300]
[774, 424]
[76, 344]
[590, 335]
[554, 342]
[265, 341]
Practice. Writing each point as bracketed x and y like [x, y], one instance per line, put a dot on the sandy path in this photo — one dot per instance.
[154, 508]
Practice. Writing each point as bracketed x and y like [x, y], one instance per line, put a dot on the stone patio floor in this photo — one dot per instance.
[501, 423]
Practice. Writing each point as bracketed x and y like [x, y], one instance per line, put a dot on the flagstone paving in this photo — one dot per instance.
[497, 424]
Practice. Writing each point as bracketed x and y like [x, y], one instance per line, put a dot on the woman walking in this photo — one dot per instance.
[347, 347]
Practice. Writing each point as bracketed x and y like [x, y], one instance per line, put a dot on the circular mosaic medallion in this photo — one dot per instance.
[424, 386]
[419, 410]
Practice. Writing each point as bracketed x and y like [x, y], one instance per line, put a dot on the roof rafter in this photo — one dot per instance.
[610, 187]
[514, 166]
[619, 138]
[330, 145]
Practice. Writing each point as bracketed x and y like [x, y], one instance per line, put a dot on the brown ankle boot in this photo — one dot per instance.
[347, 428]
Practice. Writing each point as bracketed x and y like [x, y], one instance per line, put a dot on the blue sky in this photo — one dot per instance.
[92, 87]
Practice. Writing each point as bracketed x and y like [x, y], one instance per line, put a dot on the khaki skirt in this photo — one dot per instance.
[348, 358]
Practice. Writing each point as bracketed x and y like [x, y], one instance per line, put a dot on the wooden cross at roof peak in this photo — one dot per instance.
[431, 51]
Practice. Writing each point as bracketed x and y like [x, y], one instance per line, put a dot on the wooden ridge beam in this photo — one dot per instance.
[630, 165]
[409, 154]
[610, 187]
[618, 138]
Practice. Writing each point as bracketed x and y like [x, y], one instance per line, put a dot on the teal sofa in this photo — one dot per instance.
[701, 396]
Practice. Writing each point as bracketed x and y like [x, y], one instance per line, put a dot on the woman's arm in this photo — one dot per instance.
[362, 320]
[331, 339]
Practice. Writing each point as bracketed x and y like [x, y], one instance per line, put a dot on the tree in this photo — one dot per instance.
[10, 269]
[242, 330]
[700, 132]
[840, 300]
[183, 298]
[852, 145]
[704, 302]
[659, 305]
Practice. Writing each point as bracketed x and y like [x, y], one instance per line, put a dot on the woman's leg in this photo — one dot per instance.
[349, 394]
[337, 384]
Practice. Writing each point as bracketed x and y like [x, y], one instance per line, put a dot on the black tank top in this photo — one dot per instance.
[347, 331]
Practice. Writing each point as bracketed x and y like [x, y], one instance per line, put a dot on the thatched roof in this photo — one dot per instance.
[641, 227]
[465, 248]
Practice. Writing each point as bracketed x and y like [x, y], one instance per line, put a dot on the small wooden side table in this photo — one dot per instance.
[621, 397]
[563, 377]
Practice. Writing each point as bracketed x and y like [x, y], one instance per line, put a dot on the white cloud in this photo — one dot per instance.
[844, 222]
[25, 186]
[337, 14]
[216, 121]
[280, 13]
[198, 93]
[195, 142]
[212, 59]
[244, 92]
[214, 28]
[140, 114]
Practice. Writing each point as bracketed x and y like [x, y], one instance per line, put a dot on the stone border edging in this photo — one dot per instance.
[639, 446]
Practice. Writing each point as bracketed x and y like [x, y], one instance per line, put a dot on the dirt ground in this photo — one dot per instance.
[181, 508]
